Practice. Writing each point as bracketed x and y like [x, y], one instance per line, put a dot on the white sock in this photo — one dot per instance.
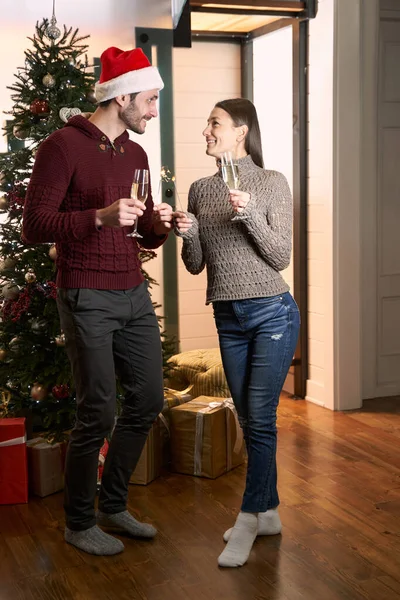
[240, 542]
[268, 523]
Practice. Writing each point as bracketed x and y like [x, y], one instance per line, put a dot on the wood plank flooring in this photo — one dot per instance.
[339, 481]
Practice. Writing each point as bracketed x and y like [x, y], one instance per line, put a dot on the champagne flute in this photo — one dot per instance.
[139, 191]
[230, 173]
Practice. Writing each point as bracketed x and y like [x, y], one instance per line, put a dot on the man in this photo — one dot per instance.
[79, 197]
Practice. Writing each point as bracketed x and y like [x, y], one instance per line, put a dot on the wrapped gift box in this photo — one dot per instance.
[152, 458]
[206, 438]
[45, 466]
[156, 452]
[13, 462]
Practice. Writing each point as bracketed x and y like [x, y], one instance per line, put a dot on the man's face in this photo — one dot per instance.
[140, 110]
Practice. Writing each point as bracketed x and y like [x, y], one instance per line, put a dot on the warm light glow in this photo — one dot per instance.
[249, 7]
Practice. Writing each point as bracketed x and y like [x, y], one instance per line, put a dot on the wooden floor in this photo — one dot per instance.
[340, 507]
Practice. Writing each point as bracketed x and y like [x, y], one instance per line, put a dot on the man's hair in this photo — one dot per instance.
[108, 102]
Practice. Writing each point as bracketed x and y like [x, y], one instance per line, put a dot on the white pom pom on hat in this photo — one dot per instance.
[125, 72]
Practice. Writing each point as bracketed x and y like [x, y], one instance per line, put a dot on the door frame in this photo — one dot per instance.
[300, 176]
[146, 38]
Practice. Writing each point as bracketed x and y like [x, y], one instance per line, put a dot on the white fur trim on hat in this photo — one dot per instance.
[140, 80]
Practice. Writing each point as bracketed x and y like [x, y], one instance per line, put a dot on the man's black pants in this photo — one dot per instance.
[108, 332]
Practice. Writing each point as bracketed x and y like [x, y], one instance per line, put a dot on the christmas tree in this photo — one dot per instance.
[55, 84]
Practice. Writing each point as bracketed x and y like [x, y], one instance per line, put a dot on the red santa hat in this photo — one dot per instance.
[126, 73]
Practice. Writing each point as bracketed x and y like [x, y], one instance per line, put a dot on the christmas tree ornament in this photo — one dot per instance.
[3, 203]
[39, 392]
[30, 276]
[60, 391]
[53, 252]
[15, 344]
[2, 178]
[60, 340]
[9, 263]
[39, 107]
[52, 30]
[38, 325]
[10, 291]
[90, 96]
[3, 354]
[49, 81]
[20, 133]
[66, 113]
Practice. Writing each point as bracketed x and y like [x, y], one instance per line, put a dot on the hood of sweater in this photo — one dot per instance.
[90, 130]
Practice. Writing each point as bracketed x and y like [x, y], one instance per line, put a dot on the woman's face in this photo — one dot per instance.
[221, 134]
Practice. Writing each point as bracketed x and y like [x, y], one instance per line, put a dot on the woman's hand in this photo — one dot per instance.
[239, 200]
[182, 222]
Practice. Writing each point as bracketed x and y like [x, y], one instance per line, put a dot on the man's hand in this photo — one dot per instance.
[239, 200]
[162, 218]
[182, 222]
[122, 213]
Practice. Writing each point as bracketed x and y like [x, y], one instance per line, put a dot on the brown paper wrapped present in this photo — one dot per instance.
[152, 458]
[206, 438]
[45, 466]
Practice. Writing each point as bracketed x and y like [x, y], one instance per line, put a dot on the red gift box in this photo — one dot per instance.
[13, 462]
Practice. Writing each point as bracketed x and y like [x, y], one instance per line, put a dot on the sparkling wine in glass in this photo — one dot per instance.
[230, 171]
[139, 191]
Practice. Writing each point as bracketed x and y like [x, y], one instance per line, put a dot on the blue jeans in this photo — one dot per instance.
[258, 338]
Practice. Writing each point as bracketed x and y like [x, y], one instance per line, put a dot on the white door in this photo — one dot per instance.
[388, 213]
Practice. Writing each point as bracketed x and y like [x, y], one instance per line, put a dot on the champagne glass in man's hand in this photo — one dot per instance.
[139, 191]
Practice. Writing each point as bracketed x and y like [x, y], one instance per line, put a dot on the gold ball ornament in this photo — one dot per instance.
[60, 340]
[53, 253]
[91, 96]
[30, 277]
[39, 392]
[3, 203]
[48, 81]
[20, 133]
[10, 291]
[3, 354]
[8, 263]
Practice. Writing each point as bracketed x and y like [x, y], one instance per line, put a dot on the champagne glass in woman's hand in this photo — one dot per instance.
[139, 191]
[230, 172]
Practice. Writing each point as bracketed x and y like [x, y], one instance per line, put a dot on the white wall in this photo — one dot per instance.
[320, 206]
[203, 74]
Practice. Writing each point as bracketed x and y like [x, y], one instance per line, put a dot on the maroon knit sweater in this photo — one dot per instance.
[78, 171]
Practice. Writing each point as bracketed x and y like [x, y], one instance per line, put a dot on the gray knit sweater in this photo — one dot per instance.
[243, 258]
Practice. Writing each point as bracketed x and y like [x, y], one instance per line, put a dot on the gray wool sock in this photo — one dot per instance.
[94, 541]
[126, 522]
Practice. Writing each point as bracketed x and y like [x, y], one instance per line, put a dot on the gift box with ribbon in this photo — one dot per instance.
[151, 460]
[45, 466]
[13, 463]
[206, 438]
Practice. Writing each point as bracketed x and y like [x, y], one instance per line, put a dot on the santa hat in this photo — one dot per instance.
[126, 73]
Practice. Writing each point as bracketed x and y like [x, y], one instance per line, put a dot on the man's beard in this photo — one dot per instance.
[132, 119]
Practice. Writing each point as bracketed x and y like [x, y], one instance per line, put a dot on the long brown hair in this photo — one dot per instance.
[243, 112]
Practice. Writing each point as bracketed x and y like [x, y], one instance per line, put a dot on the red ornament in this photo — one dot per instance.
[60, 391]
[40, 107]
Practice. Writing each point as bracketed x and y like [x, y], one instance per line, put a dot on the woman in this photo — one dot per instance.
[256, 317]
